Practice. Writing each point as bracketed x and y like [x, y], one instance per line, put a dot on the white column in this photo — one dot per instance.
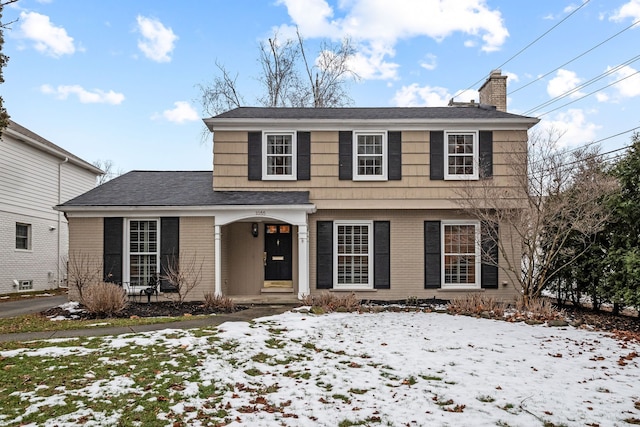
[218, 261]
[303, 261]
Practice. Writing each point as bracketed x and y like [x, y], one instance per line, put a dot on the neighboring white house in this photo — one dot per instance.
[36, 175]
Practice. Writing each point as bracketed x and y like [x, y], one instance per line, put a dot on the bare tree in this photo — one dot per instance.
[552, 197]
[83, 270]
[328, 76]
[109, 170]
[4, 116]
[184, 272]
[288, 78]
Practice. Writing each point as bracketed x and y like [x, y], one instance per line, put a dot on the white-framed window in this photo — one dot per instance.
[461, 155]
[369, 156]
[143, 251]
[279, 158]
[23, 236]
[25, 285]
[460, 254]
[353, 254]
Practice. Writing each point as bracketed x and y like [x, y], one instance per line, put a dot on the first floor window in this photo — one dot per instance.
[143, 251]
[461, 156]
[354, 243]
[23, 236]
[370, 155]
[280, 152]
[461, 254]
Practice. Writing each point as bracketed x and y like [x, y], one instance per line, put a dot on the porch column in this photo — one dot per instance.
[303, 261]
[218, 261]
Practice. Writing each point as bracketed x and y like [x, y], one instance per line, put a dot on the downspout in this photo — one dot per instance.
[66, 159]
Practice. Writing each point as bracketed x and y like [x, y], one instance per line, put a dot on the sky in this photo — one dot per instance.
[120, 80]
[297, 369]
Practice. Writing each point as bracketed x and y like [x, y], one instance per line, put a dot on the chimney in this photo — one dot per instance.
[494, 91]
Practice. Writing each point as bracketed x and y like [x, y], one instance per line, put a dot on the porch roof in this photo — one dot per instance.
[176, 188]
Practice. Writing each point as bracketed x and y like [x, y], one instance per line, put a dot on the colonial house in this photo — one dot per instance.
[36, 175]
[309, 200]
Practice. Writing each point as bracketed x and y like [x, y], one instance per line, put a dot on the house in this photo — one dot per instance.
[308, 200]
[36, 175]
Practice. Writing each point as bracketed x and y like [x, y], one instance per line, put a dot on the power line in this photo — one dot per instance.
[525, 48]
[577, 57]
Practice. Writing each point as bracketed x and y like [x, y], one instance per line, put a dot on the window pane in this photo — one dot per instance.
[460, 254]
[353, 250]
[143, 249]
[22, 236]
[279, 154]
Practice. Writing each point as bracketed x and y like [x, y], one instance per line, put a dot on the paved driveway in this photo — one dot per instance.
[30, 305]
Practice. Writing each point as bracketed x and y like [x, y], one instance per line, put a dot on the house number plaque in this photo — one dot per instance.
[261, 213]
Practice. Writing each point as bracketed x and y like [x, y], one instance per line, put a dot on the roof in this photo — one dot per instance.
[23, 134]
[478, 111]
[176, 188]
[381, 116]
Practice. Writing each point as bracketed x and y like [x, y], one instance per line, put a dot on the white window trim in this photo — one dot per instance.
[126, 276]
[476, 156]
[478, 263]
[360, 286]
[385, 156]
[29, 238]
[294, 157]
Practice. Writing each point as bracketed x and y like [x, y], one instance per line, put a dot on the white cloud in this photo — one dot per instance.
[183, 112]
[369, 63]
[430, 62]
[573, 125]
[96, 96]
[630, 86]
[377, 25]
[47, 38]
[157, 41]
[630, 9]
[564, 81]
[415, 95]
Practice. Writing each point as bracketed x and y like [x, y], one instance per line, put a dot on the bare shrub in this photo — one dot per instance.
[330, 302]
[83, 270]
[540, 309]
[476, 304]
[219, 303]
[184, 272]
[105, 299]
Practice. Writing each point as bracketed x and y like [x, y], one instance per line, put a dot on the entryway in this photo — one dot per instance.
[277, 259]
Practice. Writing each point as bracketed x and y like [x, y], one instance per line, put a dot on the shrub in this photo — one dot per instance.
[104, 299]
[333, 302]
[538, 309]
[476, 304]
[219, 303]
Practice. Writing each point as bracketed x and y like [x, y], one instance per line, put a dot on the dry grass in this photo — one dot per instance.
[539, 310]
[219, 303]
[476, 304]
[330, 302]
[105, 299]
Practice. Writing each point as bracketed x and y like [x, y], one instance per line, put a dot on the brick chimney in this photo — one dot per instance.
[494, 91]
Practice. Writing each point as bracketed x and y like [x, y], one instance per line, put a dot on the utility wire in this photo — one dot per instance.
[577, 57]
[525, 48]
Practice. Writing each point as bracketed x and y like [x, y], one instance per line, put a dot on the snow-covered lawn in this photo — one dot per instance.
[341, 369]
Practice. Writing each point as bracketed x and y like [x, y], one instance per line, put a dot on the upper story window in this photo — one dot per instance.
[23, 236]
[279, 160]
[461, 155]
[461, 254]
[370, 156]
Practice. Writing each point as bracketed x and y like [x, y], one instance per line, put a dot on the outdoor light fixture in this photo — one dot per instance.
[254, 229]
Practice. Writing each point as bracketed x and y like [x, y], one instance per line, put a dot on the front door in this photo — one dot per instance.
[277, 256]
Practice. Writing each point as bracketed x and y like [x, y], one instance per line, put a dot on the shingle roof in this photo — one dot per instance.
[375, 113]
[177, 188]
[15, 127]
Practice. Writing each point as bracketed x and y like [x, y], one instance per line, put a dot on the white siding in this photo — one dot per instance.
[28, 192]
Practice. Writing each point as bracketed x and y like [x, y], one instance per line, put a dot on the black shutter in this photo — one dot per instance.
[324, 255]
[394, 142]
[255, 156]
[112, 250]
[169, 249]
[436, 150]
[304, 156]
[345, 154]
[485, 144]
[432, 256]
[381, 255]
[489, 266]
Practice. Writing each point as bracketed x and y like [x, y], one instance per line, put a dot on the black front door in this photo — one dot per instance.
[277, 252]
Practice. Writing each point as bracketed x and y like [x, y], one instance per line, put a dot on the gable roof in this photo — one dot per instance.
[28, 137]
[246, 116]
[175, 188]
